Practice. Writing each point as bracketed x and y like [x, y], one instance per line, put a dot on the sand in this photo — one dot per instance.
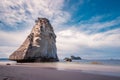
[55, 71]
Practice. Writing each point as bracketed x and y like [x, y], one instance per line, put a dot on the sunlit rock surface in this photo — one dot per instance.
[39, 46]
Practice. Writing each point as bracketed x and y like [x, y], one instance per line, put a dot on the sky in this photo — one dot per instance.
[86, 28]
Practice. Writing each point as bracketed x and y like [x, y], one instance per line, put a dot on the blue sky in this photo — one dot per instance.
[86, 28]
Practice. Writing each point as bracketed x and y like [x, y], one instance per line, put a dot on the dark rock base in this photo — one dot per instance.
[37, 60]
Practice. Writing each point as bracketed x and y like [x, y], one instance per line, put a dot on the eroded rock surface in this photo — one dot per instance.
[40, 45]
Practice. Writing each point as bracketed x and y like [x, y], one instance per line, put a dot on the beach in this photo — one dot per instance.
[58, 71]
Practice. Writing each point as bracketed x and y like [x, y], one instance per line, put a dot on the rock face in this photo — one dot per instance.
[76, 58]
[39, 46]
[67, 59]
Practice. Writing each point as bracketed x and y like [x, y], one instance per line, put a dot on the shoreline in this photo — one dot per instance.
[98, 69]
[52, 71]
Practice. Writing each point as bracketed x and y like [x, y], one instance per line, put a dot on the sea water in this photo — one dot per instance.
[112, 62]
[4, 61]
[96, 62]
[102, 67]
[99, 62]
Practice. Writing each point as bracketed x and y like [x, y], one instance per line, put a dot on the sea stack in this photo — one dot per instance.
[39, 46]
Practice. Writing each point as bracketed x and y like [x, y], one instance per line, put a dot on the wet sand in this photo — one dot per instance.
[48, 72]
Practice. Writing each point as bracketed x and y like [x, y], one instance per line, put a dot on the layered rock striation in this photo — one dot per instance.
[39, 46]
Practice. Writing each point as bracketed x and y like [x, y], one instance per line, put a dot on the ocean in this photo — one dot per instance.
[102, 67]
[6, 61]
[112, 62]
[99, 62]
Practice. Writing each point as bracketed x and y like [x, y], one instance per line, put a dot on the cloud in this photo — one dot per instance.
[69, 41]
[10, 41]
[85, 38]
[95, 24]
[14, 12]
[18, 18]
[5, 51]
[74, 38]
[72, 41]
[12, 38]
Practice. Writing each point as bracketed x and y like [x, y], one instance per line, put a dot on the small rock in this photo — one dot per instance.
[68, 59]
[8, 64]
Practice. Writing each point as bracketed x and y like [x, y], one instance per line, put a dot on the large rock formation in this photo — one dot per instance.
[40, 44]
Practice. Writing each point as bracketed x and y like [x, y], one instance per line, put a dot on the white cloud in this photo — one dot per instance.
[94, 25]
[72, 41]
[13, 11]
[75, 39]
[13, 38]
[5, 51]
[69, 41]
[10, 41]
